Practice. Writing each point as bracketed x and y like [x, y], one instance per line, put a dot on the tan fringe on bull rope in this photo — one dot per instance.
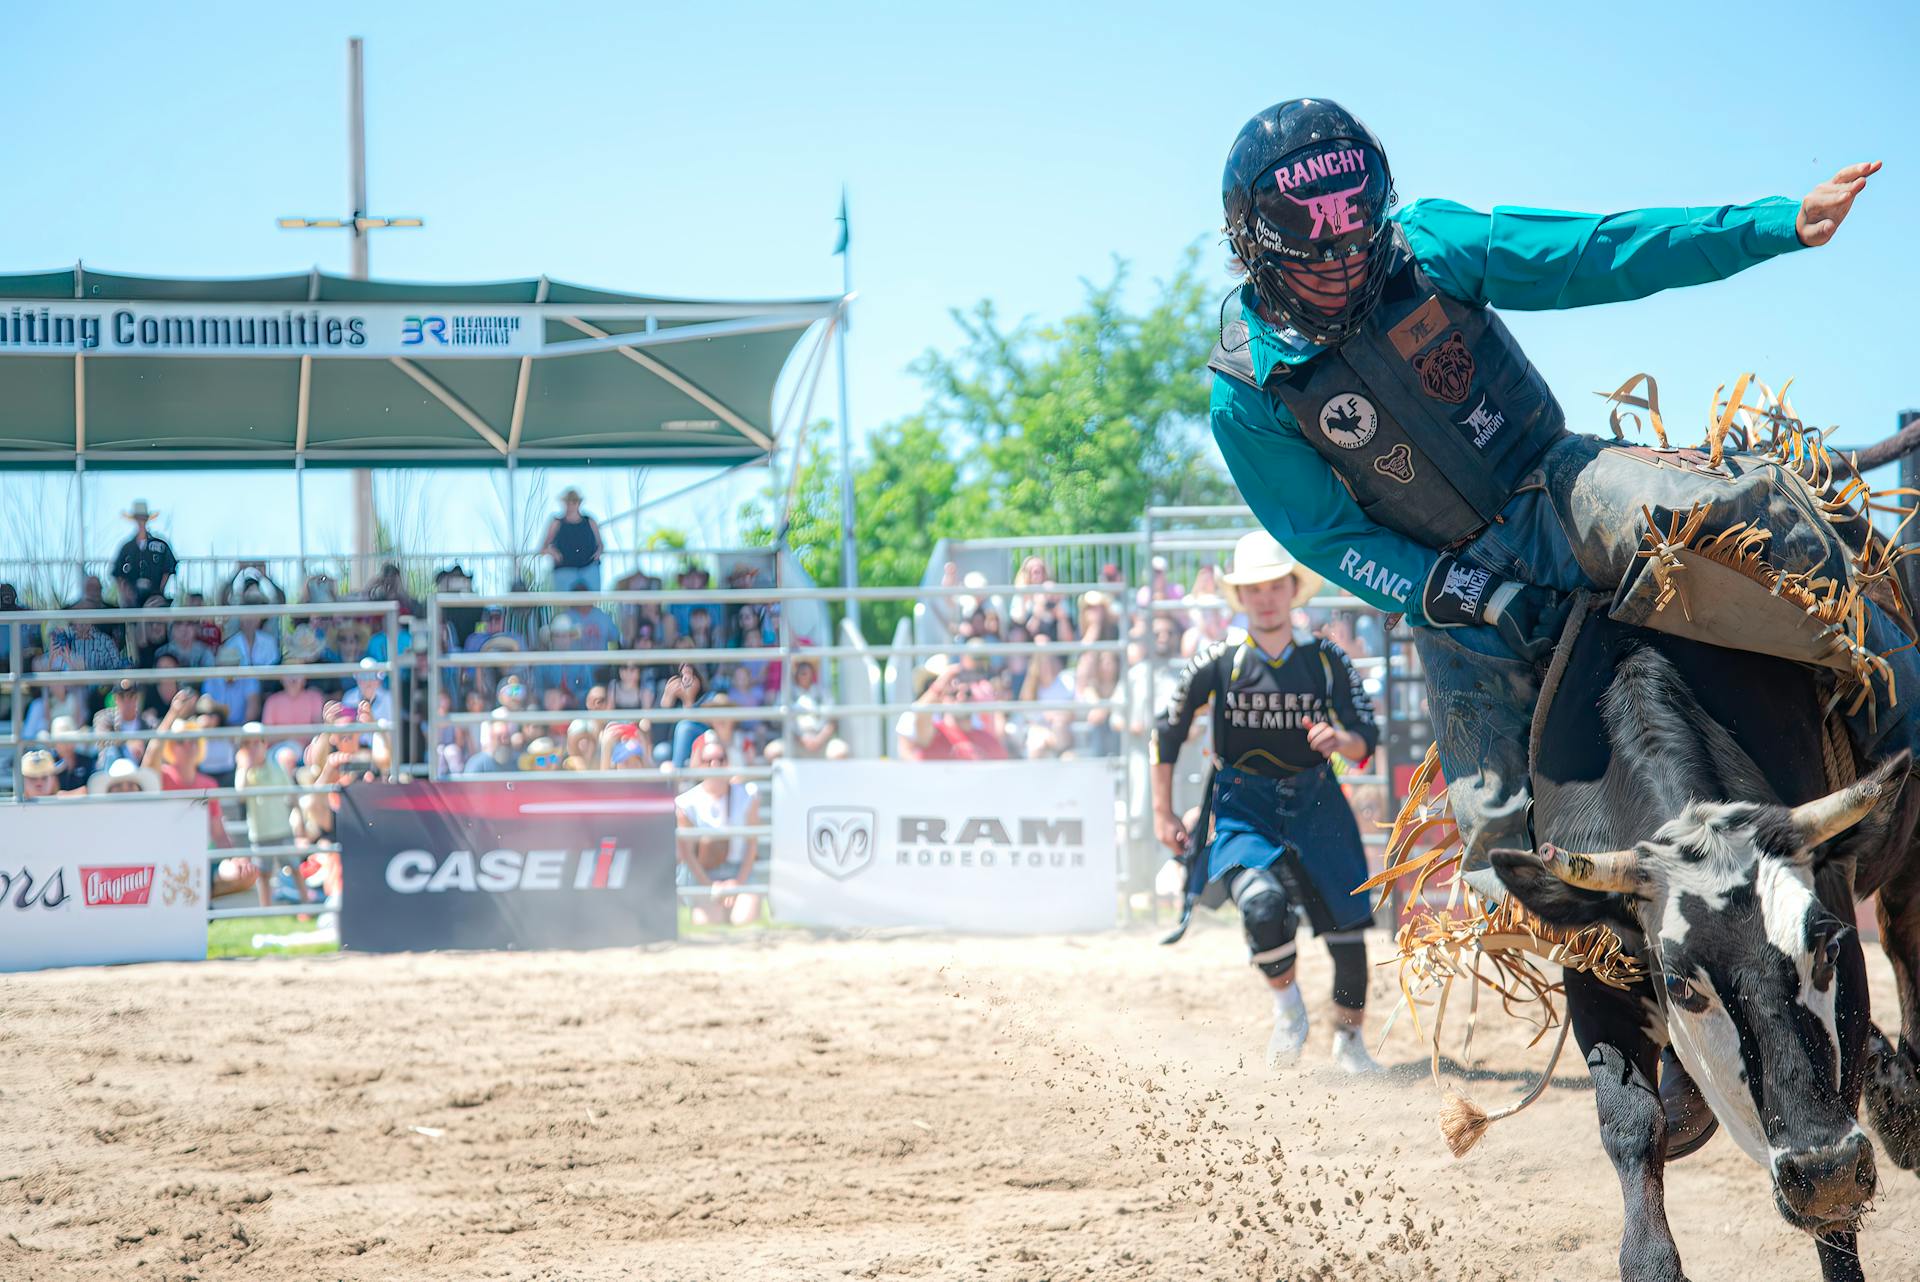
[1438, 948]
[1770, 429]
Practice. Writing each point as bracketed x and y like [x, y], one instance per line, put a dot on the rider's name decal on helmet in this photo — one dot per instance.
[1349, 420]
[1348, 160]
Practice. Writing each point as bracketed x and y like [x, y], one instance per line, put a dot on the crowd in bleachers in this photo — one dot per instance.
[1059, 668]
[613, 705]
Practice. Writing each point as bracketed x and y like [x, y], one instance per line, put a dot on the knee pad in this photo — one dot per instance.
[1349, 952]
[1269, 920]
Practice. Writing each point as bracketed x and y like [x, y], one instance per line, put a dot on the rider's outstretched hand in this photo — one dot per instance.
[1827, 205]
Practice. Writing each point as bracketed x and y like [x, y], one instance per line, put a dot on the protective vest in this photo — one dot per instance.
[1262, 706]
[1431, 415]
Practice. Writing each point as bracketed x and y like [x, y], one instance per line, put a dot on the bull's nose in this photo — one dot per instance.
[1827, 1184]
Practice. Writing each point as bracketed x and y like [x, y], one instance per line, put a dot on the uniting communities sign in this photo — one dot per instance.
[380, 330]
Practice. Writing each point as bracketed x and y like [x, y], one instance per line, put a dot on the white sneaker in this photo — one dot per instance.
[1288, 1040]
[1350, 1053]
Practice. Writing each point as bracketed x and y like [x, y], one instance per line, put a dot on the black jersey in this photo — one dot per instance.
[1262, 705]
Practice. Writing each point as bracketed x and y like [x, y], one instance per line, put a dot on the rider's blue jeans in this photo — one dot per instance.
[1579, 525]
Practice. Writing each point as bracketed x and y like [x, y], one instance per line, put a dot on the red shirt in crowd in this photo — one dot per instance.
[960, 741]
[173, 779]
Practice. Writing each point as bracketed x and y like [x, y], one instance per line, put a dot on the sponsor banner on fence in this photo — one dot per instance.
[506, 865]
[136, 891]
[1014, 847]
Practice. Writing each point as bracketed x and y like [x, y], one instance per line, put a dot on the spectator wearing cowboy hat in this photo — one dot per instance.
[121, 777]
[39, 775]
[369, 688]
[144, 565]
[692, 578]
[76, 765]
[543, 755]
[457, 622]
[573, 541]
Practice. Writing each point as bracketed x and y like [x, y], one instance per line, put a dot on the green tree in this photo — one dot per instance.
[1075, 427]
[908, 494]
[1083, 424]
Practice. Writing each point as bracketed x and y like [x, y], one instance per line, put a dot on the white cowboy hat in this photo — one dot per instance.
[1259, 558]
[122, 771]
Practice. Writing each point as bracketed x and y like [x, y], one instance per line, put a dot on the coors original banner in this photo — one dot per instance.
[474, 864]
[109, 882]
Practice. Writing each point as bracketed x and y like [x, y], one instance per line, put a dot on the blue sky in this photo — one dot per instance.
[1002, 151]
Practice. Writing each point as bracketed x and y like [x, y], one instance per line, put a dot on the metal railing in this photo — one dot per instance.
[51, 579]
[19, 682]
[440, 663]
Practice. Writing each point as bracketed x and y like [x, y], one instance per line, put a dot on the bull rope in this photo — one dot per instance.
[1436, 948]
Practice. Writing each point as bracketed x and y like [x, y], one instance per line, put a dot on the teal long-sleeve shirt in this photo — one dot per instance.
[1522, 259]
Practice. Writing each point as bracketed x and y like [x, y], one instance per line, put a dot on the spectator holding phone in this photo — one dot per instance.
[940, 728]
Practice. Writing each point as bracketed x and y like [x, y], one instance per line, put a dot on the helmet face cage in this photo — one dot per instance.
[1311, 215]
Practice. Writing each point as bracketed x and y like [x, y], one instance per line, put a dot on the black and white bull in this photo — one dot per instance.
[1664, 826]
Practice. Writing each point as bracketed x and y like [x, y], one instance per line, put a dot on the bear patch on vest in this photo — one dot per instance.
[1397, 464]
[1349, 420]
[1446, 372]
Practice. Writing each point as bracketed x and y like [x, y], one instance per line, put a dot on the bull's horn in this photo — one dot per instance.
[1610, 870]
[1827, 817]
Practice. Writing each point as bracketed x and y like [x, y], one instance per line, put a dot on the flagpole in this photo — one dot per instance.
[849, 558]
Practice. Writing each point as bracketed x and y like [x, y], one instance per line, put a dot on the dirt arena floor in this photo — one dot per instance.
[781, 1107]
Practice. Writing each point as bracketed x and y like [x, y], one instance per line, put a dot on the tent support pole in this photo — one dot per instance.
[80, 512]
[513, 521]
[300, 517]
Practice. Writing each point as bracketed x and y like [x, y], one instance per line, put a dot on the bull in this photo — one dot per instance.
[1683, 799]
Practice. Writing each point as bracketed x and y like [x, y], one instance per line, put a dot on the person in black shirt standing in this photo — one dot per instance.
[573, 541]
[1284, 840]
[144, 563]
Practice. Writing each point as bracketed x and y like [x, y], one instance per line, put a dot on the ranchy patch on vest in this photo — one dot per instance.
[1483, 423]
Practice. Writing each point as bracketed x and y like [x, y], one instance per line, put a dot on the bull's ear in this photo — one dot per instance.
[1874, 796]
[1553, 901]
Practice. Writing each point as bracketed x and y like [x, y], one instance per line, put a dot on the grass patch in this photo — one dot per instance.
[233, 937]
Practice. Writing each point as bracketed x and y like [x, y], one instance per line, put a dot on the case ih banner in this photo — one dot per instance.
[997, 847]
[138, 892]
[493, 865]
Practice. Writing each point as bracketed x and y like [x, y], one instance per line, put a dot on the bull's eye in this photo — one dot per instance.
[1685, 995]
[1826, 957]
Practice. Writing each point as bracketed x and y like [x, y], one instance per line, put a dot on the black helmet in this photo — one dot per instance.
[1307, 187]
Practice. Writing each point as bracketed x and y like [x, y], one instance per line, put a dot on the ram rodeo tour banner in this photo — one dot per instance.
[996, 847]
